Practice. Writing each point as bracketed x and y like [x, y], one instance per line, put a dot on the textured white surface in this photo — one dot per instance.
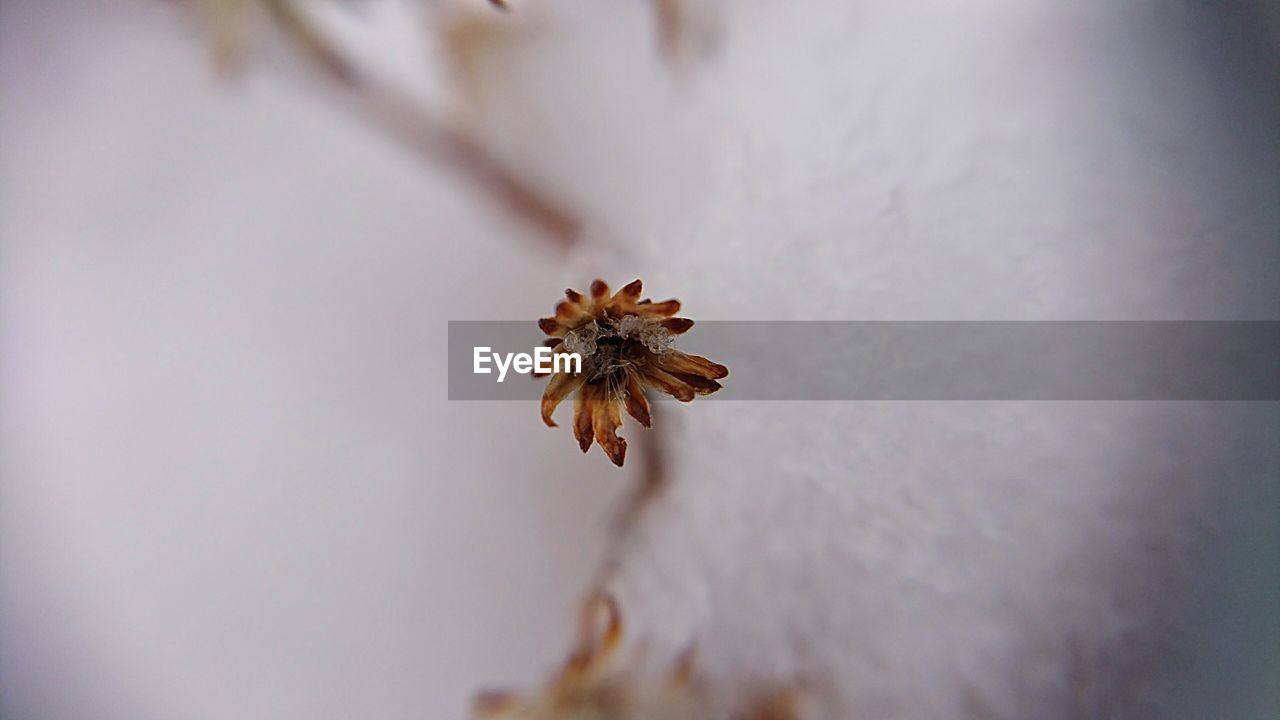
[942, 161]
[233, 486]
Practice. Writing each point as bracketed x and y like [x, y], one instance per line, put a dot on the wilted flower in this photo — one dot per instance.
[591, 687]
[625, 345]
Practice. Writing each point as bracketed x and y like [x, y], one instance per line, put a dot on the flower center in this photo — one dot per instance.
[611, 346]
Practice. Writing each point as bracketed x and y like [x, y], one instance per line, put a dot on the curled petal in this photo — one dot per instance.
[552, 327]
[606, 420]
[595, 644]
[575, 297]
[677, 326]
[636, 403]
[678, 362]
[659, 379]
[583, 408]
[611, 638]
[559, 388]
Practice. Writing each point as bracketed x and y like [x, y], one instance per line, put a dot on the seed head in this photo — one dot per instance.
[625, 345]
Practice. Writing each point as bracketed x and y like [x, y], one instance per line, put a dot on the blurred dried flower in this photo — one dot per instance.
[585, 687]
[588, 687]
[625, 344]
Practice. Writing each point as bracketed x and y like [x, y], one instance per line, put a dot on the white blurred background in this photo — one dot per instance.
[233, 487]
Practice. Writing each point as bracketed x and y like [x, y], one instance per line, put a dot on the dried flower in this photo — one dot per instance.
[625, 344]
[588, 687]
[585, 687]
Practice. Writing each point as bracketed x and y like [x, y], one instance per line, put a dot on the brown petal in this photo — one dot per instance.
[599, 290]
[656, 377]
[700, 385]
[558, 388]
[552, 327]
[553, 342]
[629, 294]
[583, 408]
[567, 313]
[575, 297]
[607, 419]
[661, 309]
[677, 326]
[636, 403]
[678, 362]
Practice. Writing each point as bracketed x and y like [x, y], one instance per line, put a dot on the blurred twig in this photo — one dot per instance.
[295, 26]
[430, 138]
[392, 112]
[653, 481]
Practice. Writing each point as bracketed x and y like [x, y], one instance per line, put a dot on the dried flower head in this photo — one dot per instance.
[590, 687]
[625, 345]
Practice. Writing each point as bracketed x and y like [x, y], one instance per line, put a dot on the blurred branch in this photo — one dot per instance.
[298, 28]
[401, 118]
[391, 112]
[653, 481]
